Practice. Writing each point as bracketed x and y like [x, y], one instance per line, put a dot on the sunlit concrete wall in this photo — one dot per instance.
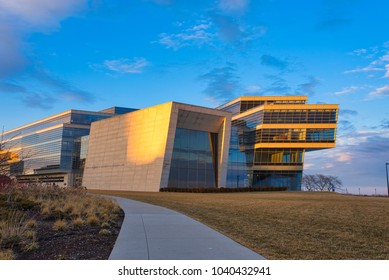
[133, 152]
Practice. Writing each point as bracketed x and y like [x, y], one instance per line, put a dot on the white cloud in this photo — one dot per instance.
[380, 92]
[328, 165]
[364, 69]
[346, 157]
[124, 65]
[233, 6]
[40, 13]
[387, 71]
[349, 89]
[253, 89]
[379, 64]
[196, 35]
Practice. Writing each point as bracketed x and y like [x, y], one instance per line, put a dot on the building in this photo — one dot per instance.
[250, 141]
[270, 135]
[169, 145]
[48, 150]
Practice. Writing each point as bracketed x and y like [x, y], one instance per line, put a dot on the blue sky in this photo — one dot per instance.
[56, 55]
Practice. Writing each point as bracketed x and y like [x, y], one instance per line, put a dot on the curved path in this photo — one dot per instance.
[155, 233]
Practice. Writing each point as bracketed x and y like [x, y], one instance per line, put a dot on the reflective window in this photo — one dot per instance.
[279, 157]
[193, 162]
[289, 179]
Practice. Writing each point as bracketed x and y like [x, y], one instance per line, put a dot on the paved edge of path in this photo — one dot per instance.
[152, 232]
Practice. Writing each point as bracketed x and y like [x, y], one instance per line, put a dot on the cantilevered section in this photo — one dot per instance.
[170, 145]
[270, 135]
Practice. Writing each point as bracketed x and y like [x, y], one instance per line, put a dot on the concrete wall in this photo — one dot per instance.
[126, 152]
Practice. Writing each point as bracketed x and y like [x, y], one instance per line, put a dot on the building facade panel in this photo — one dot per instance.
[170, 145]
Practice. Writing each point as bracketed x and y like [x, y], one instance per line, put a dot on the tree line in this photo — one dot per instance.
[320, 182]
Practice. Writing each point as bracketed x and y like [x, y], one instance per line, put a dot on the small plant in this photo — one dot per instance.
[78, 222]
[7, 255]
[105, 231]
[31, 223]
[12, 229]
[59, 225]
[31, 246]
[92, 220]
[105, 225]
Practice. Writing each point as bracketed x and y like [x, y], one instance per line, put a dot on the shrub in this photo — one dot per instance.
[12, 229]
[59, 225]
[105, 225]
[31, 246]
[104, 231]
[92, 220]
[7, 254]
[78, 222]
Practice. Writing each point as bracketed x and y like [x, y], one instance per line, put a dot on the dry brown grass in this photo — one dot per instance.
[289, 225]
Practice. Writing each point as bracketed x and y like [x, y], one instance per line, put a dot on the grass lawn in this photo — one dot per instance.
[289, 225]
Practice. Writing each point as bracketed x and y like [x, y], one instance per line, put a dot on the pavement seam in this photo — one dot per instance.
[147, 241]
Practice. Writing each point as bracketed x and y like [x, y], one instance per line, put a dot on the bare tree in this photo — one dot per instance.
[320, 182]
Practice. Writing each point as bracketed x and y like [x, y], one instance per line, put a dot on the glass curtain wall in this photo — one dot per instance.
[194, 163]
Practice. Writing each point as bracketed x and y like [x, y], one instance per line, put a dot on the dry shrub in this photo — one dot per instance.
[12, 229]
[78, 222]
[31, 223]
[7, 254]
[60, 225]
[92, 220]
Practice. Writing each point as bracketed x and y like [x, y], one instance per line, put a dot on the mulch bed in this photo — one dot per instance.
[74, 243]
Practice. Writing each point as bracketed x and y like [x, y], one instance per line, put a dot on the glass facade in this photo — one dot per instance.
[279, 163]
[268, 140]
[193, 163]
[237, 175]
[289, 179]
[52, 145]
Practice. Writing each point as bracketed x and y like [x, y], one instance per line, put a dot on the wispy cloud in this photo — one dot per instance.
[379, 64]
[11, 88]
[252, 89]
[365, 52]
[308, 88]
[387, 71]
[236, 32]
[368, 68]
[238, 7]
[278, 85]
[274, 62]
[380, 92]
[126, 66]
[347, 112]
[39, 14]
[385, 124]
[222, 84]
[19, 71]
[162, 2]
[52, 89]
[345, 126]
[197, 35]
[346, 90]
[36, 100]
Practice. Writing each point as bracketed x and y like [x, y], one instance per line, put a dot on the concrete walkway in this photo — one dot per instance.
[155, 233]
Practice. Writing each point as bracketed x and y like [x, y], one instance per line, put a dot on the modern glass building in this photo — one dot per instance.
[48, 150]
[270, 135]
[251, 141]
